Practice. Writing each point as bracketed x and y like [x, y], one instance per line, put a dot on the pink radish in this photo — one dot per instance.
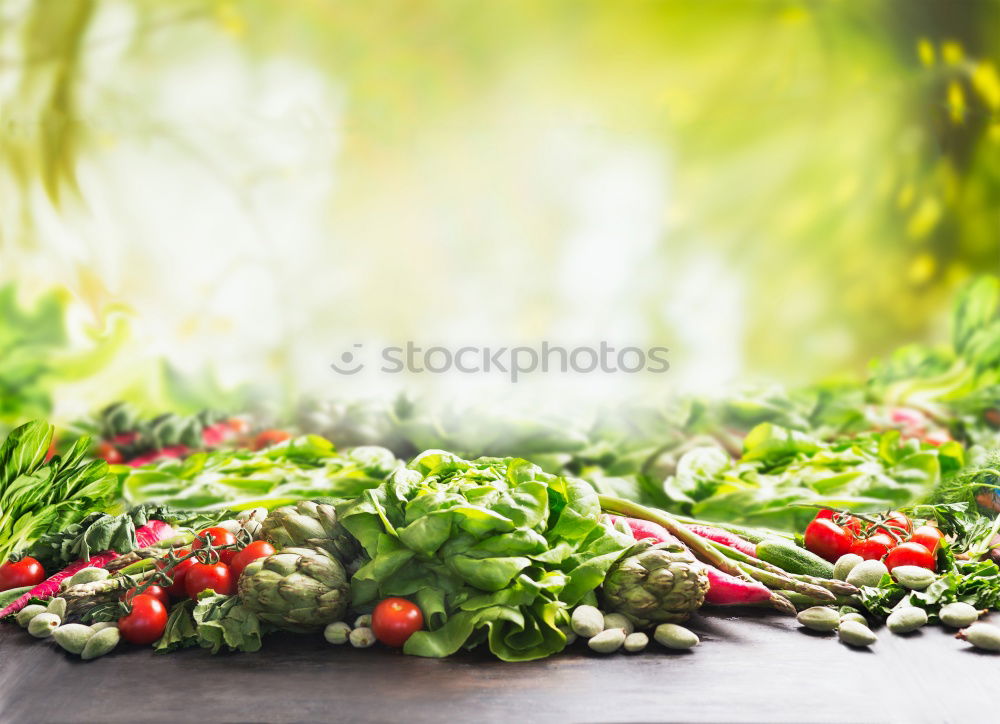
[725, 538]
[217, 434]
[726, 590]
[723, 589]
[147, 535]
[173, 451]
[644, 529]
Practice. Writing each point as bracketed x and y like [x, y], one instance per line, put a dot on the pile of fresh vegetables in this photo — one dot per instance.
[847, 506]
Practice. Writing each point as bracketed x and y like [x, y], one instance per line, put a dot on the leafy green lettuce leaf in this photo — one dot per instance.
[494, 551]
[303, 468]
[784, 473]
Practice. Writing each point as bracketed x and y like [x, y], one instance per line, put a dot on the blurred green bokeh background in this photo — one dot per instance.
[774, 189]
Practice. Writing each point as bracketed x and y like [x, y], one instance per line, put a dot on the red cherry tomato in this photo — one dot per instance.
[827, 539]
[898, 522]
[146, 622]
[257, 549]
[238, 425]
[157, 592]
[928, 536]
[910, 554]
[219, 537]
[110, 453]
[854, 527]
[394, 620]
[937, 437]
[178, 573]
[202, 576]
[267, 438]
[873, 547]
[25, 572]
[825, 514]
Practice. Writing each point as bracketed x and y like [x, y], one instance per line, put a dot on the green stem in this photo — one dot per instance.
[842, 588]
[698, 545]
[138, 567]
[780, 601]
[781, 582]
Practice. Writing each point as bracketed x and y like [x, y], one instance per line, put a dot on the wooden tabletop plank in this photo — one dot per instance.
[747, 669]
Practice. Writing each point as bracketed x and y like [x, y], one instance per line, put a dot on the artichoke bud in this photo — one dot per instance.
[655, 584]
[297, 589]
[310, 524]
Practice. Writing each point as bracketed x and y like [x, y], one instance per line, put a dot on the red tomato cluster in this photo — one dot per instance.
[892, 538]
[147, 619]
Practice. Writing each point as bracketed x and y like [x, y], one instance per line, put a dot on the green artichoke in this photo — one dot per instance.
[655, 584]
[297, 589]
[312, 525]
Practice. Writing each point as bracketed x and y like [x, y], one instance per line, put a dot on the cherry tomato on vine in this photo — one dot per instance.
[110, 453]
[145, 623]
[910, 554]
[854, 527]
[928, 536]
[827, 539]
[219, 536]
[394, 620]
[177, 589]
[202, 576]
[25, 572]
[873, 547]
[157, 592]
[267, 438]
[238, 425]
[257, 549]
[898, 522]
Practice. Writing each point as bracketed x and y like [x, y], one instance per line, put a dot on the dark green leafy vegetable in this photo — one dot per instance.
[134, 435]
[976, 583]
[492, 550]
[36, 495]
[102, 532]
[213, 622]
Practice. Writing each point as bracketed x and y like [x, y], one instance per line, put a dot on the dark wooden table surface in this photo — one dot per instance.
[757, 668]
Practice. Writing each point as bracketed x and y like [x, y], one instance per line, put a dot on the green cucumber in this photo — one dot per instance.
[788, 556]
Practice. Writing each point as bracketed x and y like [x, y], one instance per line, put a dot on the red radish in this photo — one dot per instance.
[147, 535]
[173, 451]
[726, 590]
[644, 529]
[725, 538]
[217, 434]
[723, 589]
[908, 416]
